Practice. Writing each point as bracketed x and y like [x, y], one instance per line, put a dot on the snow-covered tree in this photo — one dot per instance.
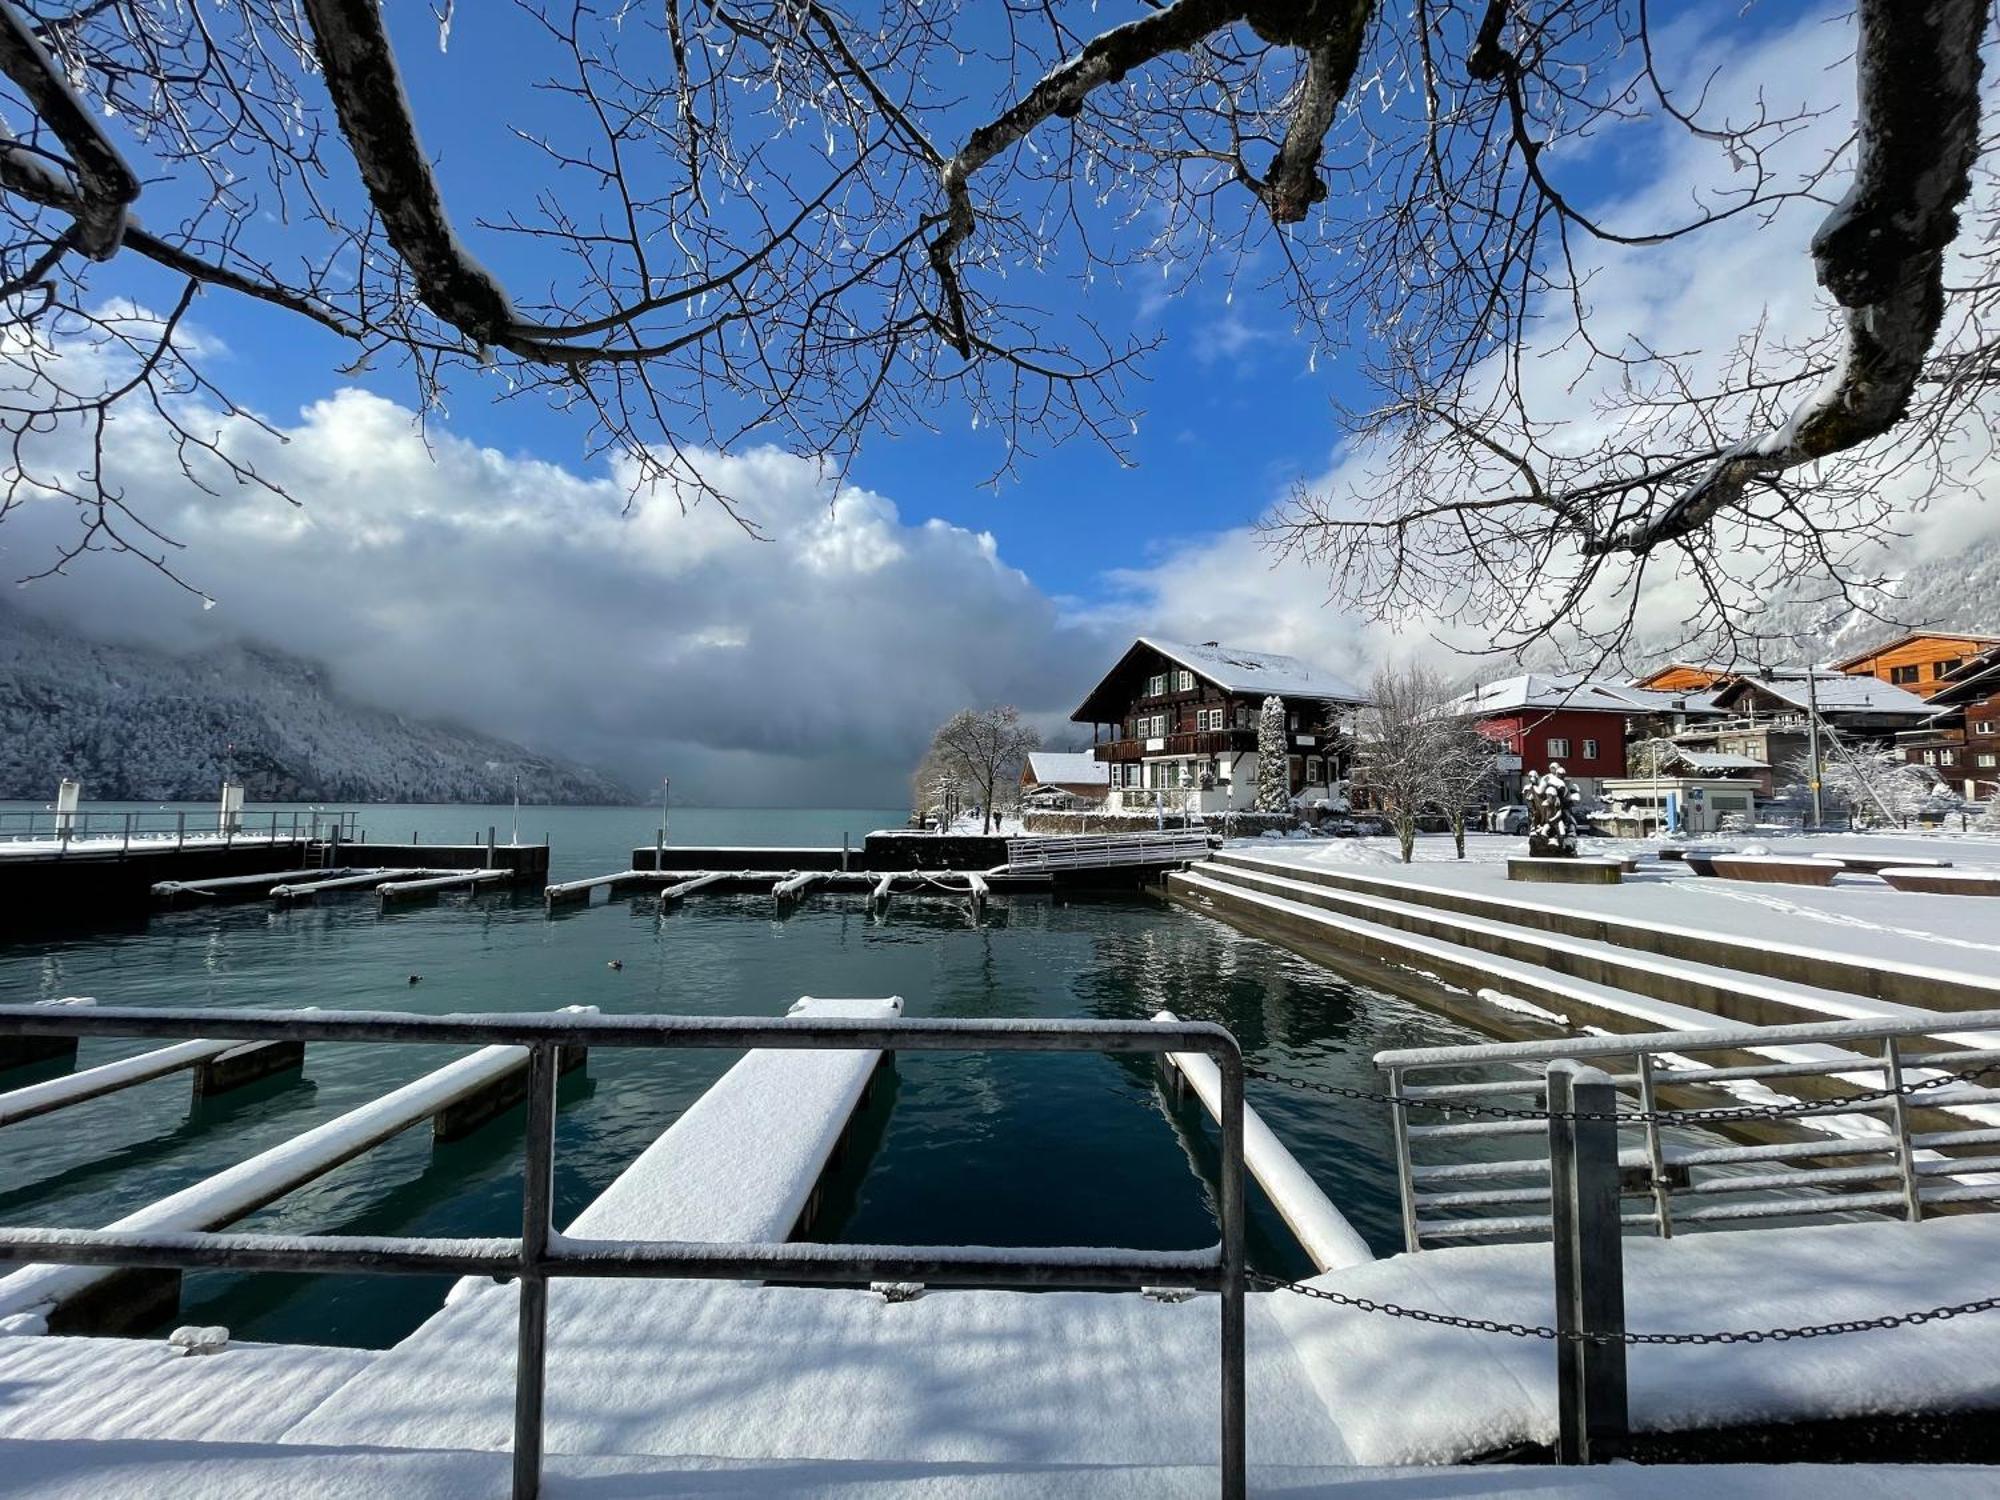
[1399, 741]
[983, 748]
[1274, 779]
[1991, 818]
[1464, 772]
[1874, 781]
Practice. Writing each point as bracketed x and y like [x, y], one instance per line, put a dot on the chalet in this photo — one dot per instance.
[1681, 677]
[1765, 718]
[1064, 779]
[1542, 719]
[1918, 662]
[1961, 738]
[1176, 725]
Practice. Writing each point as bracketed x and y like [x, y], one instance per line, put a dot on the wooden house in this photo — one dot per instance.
[1920, 661]
[1766, 718]
[1064, 779]
[1680, 677]
[1961, 738]
[1176, 725]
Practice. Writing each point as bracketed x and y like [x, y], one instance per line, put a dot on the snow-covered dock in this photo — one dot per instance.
[59, 1294]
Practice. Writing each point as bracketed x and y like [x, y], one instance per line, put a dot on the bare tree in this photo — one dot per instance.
[800, 220]
[1399, 740]
[983, 748]
[1464, 771]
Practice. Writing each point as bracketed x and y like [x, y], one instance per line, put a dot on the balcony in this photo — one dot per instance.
[1199, 742]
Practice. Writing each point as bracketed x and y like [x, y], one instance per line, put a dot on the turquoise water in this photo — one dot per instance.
[968, 1148]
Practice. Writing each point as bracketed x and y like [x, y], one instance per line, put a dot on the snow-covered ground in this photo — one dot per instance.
[1856, 915]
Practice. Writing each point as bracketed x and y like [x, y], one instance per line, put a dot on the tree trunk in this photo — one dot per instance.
[1458, 831]
[1406, 835]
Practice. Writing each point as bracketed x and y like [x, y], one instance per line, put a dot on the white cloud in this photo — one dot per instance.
[446, 580]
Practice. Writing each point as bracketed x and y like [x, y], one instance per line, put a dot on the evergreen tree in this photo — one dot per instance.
[1274, 783]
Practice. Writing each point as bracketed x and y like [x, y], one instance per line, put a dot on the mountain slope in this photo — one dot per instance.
[141, 725]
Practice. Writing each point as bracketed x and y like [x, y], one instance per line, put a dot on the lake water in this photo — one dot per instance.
[973, 1148]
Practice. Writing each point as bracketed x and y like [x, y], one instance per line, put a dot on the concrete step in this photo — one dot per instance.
[1921, 986]
[1719, 993]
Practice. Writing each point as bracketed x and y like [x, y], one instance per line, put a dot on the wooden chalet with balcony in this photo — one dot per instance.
[1176, 725]
[1961, 739]
[1919, 662]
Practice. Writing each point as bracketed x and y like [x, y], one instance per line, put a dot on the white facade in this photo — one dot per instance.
[1204, 784]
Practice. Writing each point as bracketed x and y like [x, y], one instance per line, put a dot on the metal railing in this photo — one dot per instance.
[539, 1255]
[100, 831]
[1105, 851]
[1884, 1160]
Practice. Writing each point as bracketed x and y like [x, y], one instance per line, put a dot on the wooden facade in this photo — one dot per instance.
[1166, 724]
[1680, 677]
[1920, 661]
[1961, 742]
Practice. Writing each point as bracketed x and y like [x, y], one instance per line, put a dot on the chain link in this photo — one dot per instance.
[1587, 1336]
[1719, 1114]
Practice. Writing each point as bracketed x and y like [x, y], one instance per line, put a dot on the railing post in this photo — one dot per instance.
[1406, 1181]
[1589, 1264]
[127, 844]
[537, 1206]
[1899, 1121]
[1656, 1157]
[180, 830]
[1234, 1410]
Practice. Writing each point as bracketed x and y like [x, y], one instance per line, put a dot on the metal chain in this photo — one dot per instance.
[1718, 1114]
[1587, 1336]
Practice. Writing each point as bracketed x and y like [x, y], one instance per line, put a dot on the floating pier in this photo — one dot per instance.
[1322, 1230]
[455, 1098]
[788, 887]
[218, 1067]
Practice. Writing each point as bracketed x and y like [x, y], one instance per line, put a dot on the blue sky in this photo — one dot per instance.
[488, 570]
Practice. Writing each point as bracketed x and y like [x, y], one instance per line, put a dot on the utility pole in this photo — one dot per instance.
[1812, 739]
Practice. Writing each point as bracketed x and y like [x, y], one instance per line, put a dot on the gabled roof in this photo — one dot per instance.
[1234, 669]
[1067, 768]
[1703, 669]
[1574, 691]
[1915, 635]
[1979, 676]
[1719, 760]
[1837, 692]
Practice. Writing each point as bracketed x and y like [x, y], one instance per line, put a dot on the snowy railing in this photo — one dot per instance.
[1887, 1117]
[1107, 851]
[540, 1254]
[99, 831]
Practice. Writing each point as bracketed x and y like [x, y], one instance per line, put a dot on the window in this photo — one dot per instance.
[1948, 758]
[1293, 720]
[1903, 674]
[1986, 726]
[1948, 666]
[1156, 685]
[1183, 682]
[1315, 771]
[1986, 760]
[1242, 716]
[1208, 718]
[1590, 749]
[1930, 757]
[1558, 748]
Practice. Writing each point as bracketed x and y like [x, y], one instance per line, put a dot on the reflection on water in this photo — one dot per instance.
[973, 1148]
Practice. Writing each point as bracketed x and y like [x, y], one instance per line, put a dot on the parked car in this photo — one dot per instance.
[1512, 818]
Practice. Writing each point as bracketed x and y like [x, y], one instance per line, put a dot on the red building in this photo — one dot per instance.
[1549, 719]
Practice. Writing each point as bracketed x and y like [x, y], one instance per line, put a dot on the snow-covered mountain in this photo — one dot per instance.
[135, 724]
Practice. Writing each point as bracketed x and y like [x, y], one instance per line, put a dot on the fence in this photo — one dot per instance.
[1887, 1164]
[536, 1257]
[1046, 855]
[99, 832]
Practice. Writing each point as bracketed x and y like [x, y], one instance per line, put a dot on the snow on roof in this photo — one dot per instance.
[1573, 690]
[1719, 760]
[1067, 768]
[1841, 692]
[1236, 669]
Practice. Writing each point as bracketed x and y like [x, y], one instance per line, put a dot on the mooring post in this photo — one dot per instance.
[180, 830]
[1589, 1264]
[489, 846]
